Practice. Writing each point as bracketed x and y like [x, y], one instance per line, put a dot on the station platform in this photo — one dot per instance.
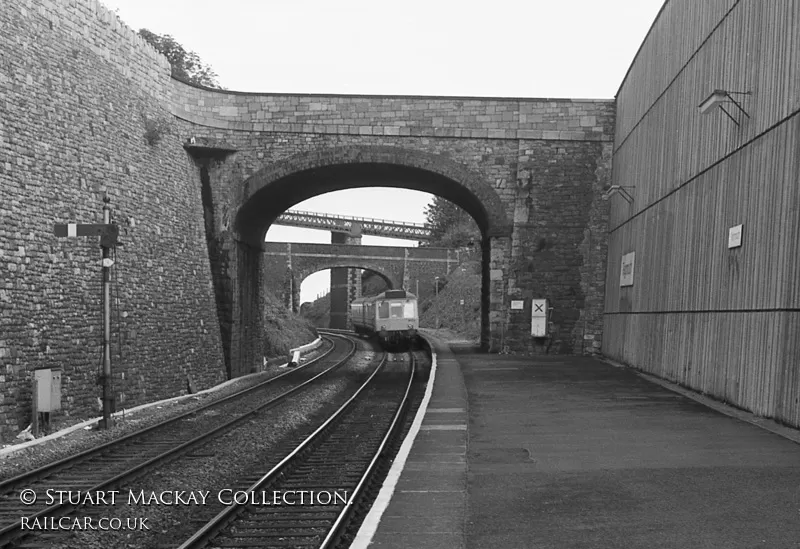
[573, 452]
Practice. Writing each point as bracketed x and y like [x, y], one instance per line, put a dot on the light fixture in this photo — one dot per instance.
[718, 98]
[619, 189]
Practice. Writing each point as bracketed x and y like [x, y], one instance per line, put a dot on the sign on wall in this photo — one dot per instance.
[539, 317]
[517, 304]
[735, 236]
[626, 272]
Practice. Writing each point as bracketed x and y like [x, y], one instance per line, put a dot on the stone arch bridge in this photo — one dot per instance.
[415, 269]
[530, 171]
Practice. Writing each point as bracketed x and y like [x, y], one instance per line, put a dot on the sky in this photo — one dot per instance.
[505, 48]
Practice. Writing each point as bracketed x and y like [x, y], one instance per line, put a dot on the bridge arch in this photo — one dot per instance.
[348, 288]
[266, 194]
[392, 280]
[275, 188]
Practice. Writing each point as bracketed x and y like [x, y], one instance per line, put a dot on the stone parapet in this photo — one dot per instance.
[455, 117]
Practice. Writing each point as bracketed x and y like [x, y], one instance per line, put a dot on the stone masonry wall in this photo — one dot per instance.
[559, 253]
[83, 112]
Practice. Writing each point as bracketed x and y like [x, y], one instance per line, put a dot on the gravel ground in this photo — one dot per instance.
[225, 463]
[29, 458]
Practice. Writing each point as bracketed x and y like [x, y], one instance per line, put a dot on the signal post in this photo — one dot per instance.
[109, 238]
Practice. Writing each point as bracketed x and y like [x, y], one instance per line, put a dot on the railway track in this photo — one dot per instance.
[332, 468]
[99, 470]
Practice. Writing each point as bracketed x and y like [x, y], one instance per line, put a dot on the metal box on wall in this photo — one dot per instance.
[48, 389]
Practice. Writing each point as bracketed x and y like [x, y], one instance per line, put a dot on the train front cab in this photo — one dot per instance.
[396, 319]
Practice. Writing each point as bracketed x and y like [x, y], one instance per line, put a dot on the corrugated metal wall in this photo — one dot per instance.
[721, 320]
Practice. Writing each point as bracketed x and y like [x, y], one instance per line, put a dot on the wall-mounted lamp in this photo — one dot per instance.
[718, 98]
[619, 189]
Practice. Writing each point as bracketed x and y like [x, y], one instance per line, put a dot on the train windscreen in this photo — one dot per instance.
[396, 309]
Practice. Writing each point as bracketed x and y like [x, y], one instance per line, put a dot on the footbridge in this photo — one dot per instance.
[355, 226]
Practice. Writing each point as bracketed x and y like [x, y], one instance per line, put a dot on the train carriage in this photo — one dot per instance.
[391, 315]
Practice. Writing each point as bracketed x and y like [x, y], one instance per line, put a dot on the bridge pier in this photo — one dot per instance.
[345, 285]
[494, 305]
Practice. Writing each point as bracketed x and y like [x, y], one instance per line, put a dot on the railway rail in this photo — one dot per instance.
[339, 459]
[123, 460]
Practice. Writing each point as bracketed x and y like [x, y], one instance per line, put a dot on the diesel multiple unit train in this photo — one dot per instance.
[392, 316]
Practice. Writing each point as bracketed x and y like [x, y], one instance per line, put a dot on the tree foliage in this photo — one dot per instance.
[451, 227]
[186, 65]
[462, 234]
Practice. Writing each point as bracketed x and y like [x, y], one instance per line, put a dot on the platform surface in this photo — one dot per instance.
[571, 452]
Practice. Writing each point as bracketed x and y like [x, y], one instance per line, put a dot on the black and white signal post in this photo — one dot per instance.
[108, 233]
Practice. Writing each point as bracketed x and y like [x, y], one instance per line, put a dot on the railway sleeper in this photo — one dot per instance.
[231, 542]
[275, 523]
[260, 529]
[321, 486]
[257, 543]
[260, 543]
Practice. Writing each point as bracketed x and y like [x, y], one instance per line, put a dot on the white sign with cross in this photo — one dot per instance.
[539, 317]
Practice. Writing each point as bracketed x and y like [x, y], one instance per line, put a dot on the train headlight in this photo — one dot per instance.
[410, 325]
[383, 327]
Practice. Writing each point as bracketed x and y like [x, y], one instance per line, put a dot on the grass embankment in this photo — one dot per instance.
[318, 312]
[284, 330]
[446, 311]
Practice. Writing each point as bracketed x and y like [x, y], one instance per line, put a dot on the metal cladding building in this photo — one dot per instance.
[703, 265]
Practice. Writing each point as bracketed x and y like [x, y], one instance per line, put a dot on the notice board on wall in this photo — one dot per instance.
[626, 271]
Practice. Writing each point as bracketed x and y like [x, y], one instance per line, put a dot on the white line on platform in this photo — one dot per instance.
[373, 518]
[445, 410]
[431, 491]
